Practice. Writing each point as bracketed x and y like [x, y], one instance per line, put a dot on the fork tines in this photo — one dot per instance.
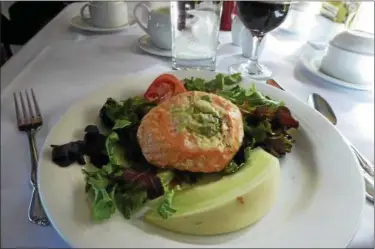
[31, 116]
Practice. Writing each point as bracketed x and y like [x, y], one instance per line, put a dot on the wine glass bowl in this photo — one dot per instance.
[259, 17]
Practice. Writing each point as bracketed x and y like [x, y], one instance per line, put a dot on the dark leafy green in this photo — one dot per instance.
[130, 199]
[233, 167]
[259, 132]
[119, 115]
[124, 118]
[110, 112]
[116, 184]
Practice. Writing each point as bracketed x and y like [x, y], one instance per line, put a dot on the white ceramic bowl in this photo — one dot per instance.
[350, 57]
[355, 41]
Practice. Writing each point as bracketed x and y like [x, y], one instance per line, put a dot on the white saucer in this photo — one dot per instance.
[312, 64]
[77, 22]
[148, 46]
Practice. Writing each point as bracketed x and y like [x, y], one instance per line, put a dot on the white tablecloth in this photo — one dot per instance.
[63, 64]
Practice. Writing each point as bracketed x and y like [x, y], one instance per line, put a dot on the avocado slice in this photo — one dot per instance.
[229, 204]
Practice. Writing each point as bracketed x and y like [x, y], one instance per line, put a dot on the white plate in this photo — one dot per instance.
[148, 46]
[77, 22]
[312, 64]
[319, 204]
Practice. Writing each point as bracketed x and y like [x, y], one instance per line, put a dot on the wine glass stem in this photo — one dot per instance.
[254, 66]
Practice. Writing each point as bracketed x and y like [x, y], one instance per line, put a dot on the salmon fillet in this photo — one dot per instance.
[193, 131]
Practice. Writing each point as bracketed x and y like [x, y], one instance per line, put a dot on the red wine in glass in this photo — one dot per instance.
[260, 17]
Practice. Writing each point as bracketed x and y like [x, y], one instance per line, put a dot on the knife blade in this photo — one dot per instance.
[272, 82]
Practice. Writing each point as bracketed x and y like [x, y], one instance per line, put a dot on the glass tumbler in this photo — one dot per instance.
[195, 31]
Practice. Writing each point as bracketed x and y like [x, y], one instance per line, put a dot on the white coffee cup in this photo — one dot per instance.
[106, 14]
[158, 25]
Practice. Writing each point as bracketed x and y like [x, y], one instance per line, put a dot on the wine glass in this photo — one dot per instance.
[260, 17]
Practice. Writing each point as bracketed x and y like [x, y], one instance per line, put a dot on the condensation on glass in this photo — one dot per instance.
[195, 32]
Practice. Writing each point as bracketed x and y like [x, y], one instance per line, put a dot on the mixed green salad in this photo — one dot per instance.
[118, 175]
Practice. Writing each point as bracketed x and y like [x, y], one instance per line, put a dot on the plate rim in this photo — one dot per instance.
[90, 94]
[150, 50]
[74, 22]
[309, 62]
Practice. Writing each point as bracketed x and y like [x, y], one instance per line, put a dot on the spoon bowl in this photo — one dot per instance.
[321, 105]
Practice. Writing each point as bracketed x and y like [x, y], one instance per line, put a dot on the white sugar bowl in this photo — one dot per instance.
[350, 57]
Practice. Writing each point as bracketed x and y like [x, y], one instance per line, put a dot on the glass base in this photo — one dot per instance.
[202, 64]
[259, 72]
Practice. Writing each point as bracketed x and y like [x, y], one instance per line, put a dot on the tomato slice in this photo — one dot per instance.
[164, 87]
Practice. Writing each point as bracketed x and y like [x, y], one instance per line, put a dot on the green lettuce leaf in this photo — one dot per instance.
[109, 169]
[121, 123]
[233, 167]
[213, 86]
[229, 87]
[233, 79]
[165, 208]
[116, 114]
[195, 84]
[280, 144]
[166, 177]
[255, 98]
[129, 200]
[115, 151]
[103, 205]
[96, 179]
[101, 202]
[110, 112]
[260, 131]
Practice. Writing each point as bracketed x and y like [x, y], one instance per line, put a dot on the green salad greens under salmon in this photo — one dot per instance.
[119, 176]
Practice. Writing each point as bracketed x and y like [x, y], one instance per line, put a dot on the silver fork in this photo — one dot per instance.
[30, 121]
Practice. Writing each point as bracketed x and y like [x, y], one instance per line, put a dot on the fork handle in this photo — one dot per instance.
[34, 156]
[37, 214]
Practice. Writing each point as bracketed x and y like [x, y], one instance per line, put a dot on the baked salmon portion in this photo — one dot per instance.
[192, 131]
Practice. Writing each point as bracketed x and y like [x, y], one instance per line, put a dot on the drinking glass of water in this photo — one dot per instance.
[259, 17]
[195, 31]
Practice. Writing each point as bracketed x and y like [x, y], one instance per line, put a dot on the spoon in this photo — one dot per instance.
[321, 105]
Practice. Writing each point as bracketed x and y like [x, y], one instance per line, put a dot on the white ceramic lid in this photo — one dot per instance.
[355, 41]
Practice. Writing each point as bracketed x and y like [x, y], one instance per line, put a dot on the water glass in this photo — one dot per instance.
[195, 31]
